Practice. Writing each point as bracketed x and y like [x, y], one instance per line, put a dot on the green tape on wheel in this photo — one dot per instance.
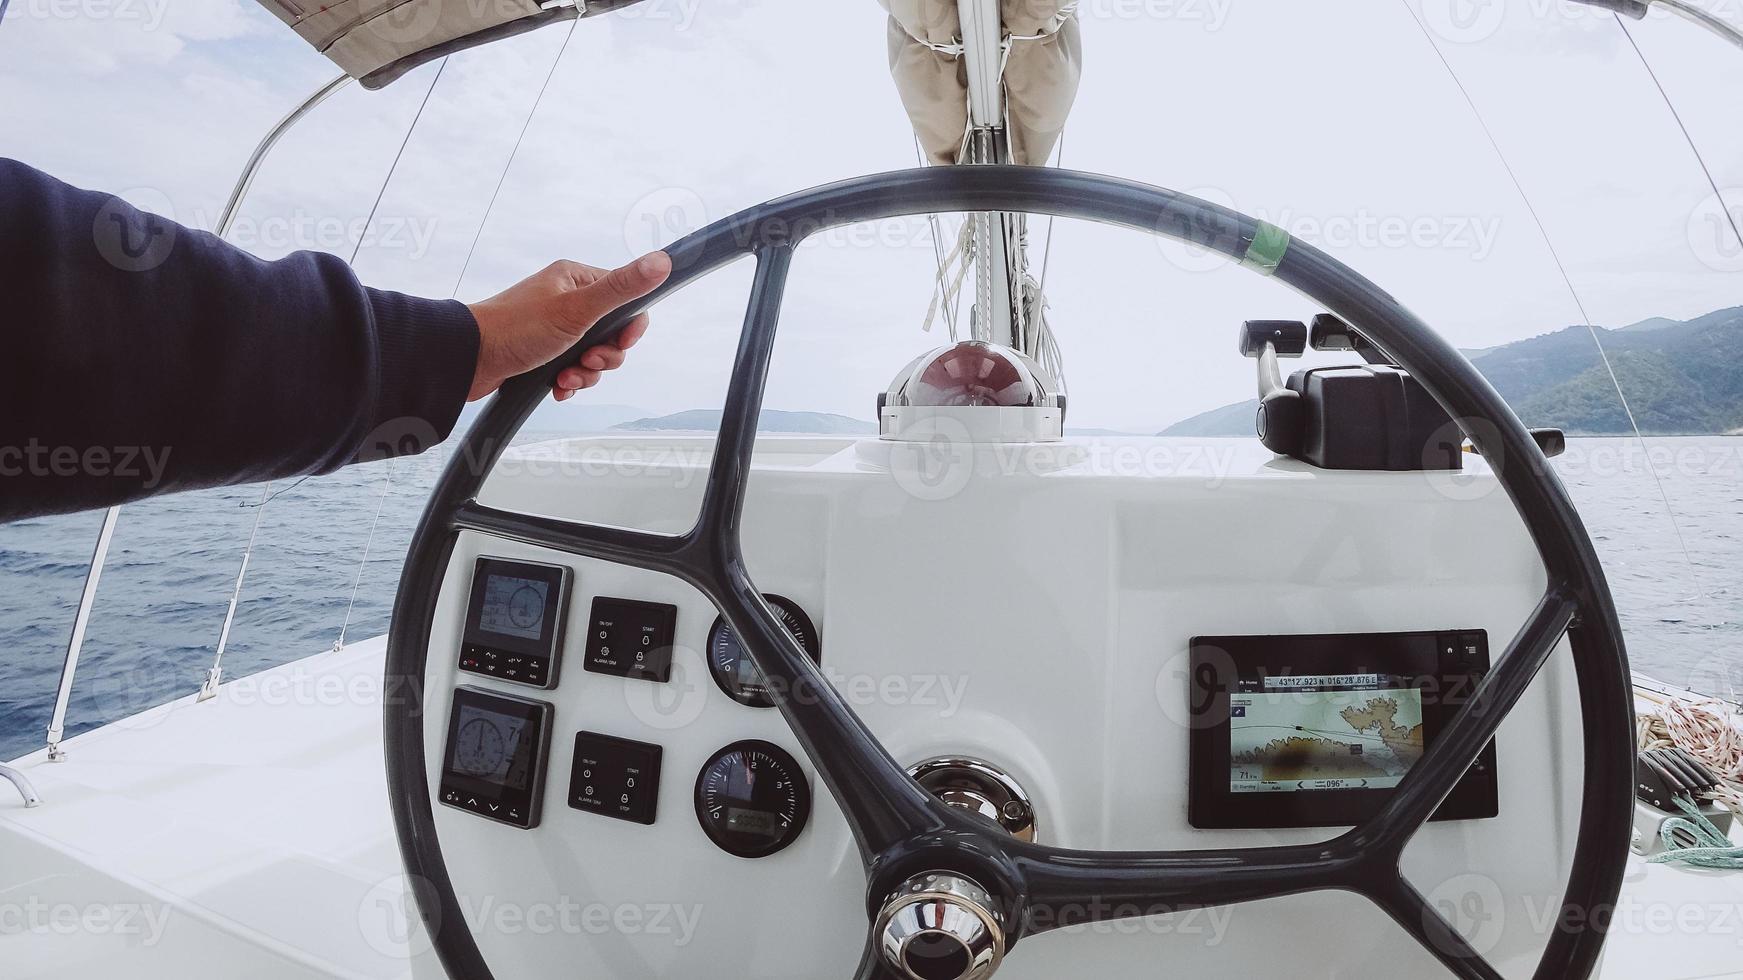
[1266, 252]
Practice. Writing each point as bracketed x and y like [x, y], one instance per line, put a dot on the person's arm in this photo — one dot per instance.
[140, 357]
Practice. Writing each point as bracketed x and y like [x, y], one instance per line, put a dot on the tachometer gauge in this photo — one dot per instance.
[731, 665]
[752, 798]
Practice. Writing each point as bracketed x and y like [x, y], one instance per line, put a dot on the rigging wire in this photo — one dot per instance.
[950, 298]
[1046, 345]
[357, 583]
[387, 480]
[502, 178]
[215, 674]
[275, 494]
[394, 166]
[1567, 280]
[1730, 217]
[1047, 241]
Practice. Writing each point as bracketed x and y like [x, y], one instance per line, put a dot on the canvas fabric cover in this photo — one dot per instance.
[362, 36]
[1042, 71]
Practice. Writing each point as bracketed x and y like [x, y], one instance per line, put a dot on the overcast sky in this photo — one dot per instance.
[1332, 118]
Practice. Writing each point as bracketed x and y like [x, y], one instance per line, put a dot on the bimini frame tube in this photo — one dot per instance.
[82, 618]
[1712, 22]
[1638, 9]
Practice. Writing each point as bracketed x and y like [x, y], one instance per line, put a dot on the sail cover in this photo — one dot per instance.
[1042, 68]
[377, 41]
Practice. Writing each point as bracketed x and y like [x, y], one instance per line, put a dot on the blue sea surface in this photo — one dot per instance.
[173, 563]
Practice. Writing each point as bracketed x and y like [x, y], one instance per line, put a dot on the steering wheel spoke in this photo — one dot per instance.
[723, 498]
[641, 549]
[1067, 888]
[883, 806]
[1407, 907]
[1454, 751]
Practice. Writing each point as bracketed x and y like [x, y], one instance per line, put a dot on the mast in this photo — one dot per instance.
[998, 308]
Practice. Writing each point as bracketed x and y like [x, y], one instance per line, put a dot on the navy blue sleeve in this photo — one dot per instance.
[140, 357]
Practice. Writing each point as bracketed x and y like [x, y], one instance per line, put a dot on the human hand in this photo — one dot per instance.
[542, 316]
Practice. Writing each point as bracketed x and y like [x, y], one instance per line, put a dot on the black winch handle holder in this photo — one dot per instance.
[1282, 418]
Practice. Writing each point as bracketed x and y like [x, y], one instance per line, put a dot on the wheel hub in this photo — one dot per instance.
[941, 926]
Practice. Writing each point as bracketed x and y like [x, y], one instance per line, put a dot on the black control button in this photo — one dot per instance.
[631, 638]
[616, 777]
[523, 668]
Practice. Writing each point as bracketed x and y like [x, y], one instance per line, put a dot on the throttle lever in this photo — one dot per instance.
[1282, 417]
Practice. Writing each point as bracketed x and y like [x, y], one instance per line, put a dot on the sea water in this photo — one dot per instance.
[1677, 574]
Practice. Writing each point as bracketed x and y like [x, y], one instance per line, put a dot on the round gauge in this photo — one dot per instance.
[732, 667]
[752, 798]
[526, 608]
[480, 748]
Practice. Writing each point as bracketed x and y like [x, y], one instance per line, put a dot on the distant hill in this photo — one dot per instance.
[1680, 376]
[1229, 420]
[708, 420]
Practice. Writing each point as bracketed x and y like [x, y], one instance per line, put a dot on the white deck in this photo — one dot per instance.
[250, 836]
[238, 837]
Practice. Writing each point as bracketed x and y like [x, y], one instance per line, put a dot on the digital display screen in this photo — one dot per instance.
[491, 747]
[759, 822]
[1316, 732]
[514, 606]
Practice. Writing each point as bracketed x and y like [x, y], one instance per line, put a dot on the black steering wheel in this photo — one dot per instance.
[901, 829]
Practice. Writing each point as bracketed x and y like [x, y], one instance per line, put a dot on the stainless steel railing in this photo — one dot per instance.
[82, 618]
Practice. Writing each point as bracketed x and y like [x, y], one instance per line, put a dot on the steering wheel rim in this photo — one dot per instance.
[902, 829]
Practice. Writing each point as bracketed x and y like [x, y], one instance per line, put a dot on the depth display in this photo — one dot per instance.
[1318, 732]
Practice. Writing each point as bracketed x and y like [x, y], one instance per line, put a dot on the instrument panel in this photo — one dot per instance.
[1082, 694]
[751, 798]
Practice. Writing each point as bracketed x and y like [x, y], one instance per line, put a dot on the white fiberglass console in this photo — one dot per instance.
[1056, 611]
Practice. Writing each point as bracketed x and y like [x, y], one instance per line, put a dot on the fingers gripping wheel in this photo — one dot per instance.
[901, 829]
